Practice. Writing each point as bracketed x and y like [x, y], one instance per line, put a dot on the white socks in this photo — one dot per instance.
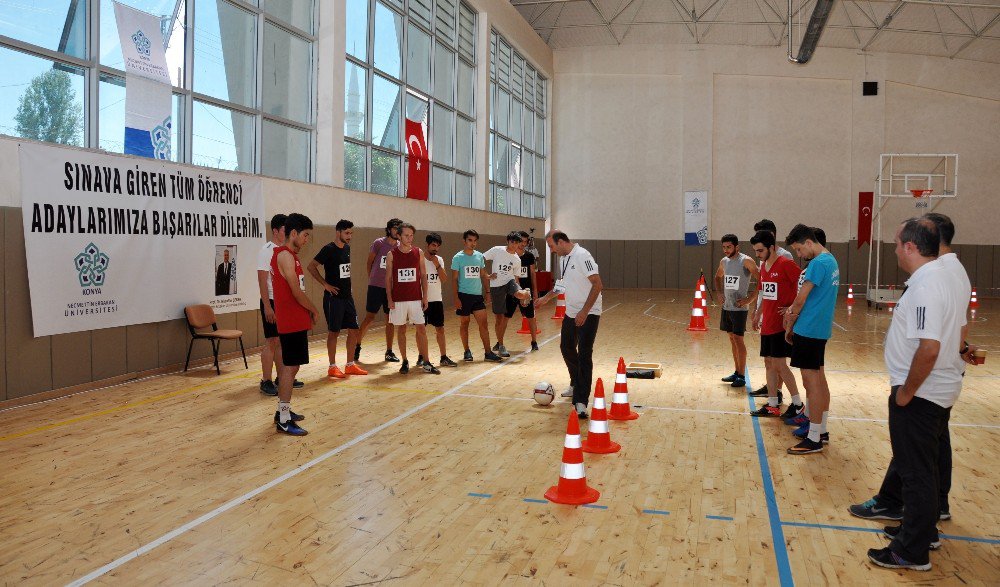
[772, 401]
[814, 432]
[823, 423]
[284, 411]
[796, 400]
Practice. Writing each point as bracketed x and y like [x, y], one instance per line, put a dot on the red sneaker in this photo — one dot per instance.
[355, 370]
[335, 372]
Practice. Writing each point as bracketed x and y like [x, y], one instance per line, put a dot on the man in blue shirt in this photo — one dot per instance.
[808, 325]
[468, 279]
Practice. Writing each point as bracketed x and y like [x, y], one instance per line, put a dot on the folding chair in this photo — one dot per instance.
[201, 317]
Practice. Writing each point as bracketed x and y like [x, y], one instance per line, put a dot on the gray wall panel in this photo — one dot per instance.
[71, 363]
[108, 353]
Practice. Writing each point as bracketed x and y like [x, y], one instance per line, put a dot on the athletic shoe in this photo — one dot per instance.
[291, 428]
[945, 515]
[568, 392]
[357, 352]
[581, 411]
[492, 357]
[890, 532]
[739, 382]
[335, 372]
[446, 362]
[731, 378]
[503, 352]
[428, 368]
[295, 417]
[420, 361]
[268, 388]
[805, 447]
[355, 370]
[405, 368]
[467, 357]
[800, 419]
[762, 392]
[390, 357]
[870, 510]
[295, 384]
[803, 432]
[767, 411]
[793, 411]
[534, 345]
[884, 557]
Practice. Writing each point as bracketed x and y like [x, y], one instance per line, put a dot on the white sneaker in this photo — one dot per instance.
[581, 411]
[568, 392]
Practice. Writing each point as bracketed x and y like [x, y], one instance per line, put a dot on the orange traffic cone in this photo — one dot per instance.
[572, 488]
[620, 410]
[560, 307]
[526, 328]
[850, 295]
[974, 300]
[697, 323]
[599, 439]
[704, 294]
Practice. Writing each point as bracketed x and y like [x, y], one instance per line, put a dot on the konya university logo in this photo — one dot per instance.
[142, 43]
[91, 265]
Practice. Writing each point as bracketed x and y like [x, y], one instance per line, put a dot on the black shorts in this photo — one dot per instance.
[470, 303]
[376, 300]
[434, 314]
[499, 297]
[270, 328]
[808, 353]
[774, 345]
[513, 304]
[734, 322]
[340, 313]
[294, 348]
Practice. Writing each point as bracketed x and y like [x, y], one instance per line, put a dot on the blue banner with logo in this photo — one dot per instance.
[696, 218]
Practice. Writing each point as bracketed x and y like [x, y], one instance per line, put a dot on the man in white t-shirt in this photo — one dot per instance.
[580, 281]
[434, 314]
[504, 271]
[925, 373]
[270, 353]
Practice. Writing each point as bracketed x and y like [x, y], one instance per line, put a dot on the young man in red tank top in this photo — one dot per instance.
[406, 288]
[295, 315]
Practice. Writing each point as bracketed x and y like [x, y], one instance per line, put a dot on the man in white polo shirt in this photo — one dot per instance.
[925, 372]
[580, 281]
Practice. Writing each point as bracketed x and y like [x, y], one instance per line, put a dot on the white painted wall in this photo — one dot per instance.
[635, 126]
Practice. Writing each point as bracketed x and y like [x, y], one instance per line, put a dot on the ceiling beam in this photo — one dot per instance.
[885, 23]
[977, 36]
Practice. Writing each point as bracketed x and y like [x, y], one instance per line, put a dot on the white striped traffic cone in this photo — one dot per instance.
[620, 410]
[572, 488]
[599, 438]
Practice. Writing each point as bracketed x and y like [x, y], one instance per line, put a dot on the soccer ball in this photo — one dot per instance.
[544, 394]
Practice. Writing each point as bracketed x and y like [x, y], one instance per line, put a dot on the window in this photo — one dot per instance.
[517, 122]
[415, 73]
[242, 78]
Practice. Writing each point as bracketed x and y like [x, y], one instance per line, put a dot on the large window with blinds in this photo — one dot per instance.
[410, 60]
[517, 132]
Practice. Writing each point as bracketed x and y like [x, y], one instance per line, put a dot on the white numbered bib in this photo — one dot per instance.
[381, 262]
[345, 271]
[523, 273]
[471, 272]
[732, 282]
[302, 282]
[432, 278]
[769, 290]
[501, 268]
[406, 275]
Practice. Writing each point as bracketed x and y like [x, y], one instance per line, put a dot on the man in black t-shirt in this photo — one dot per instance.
[527, 280]
[338, 302]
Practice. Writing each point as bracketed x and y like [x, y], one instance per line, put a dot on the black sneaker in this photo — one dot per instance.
[357, 353]
[492, 357]
[268, 388]
[806, 447]
[420, 361]
[295, 417]
[767, 411]
[792, 411]
[467, 357]
[446, 362]
[762, 392]
[504, 352]
[295, 384]
[731, 378]
[890, 532]
[739, 382]
[945, 515]
[870, 510]
[824, 437]
[884, 557]
[428, 368]
[405, 368]
[534, 345]
[390, 357]
[291, 428]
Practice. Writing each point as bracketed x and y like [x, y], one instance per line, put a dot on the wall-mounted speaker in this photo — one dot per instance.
[869, 88]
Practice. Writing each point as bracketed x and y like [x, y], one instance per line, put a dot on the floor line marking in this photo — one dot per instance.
[484, 495]
[646, 313]
[534, 500]
[594, 506]
[878, 531]
[656, 512]
[774, 517]
[839, 326]
[723, 518]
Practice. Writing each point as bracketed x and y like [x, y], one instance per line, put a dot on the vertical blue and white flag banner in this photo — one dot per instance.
[148, 96]
[113, 240]
[696, 218]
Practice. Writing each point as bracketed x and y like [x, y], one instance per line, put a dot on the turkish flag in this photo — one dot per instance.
[419, 167]
[865, 202]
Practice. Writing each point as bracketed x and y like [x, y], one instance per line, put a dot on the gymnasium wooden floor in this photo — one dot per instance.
[438, 480]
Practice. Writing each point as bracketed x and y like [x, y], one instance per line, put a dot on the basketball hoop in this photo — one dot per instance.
[921, 193]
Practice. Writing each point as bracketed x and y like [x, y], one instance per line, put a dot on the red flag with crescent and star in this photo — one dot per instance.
[865, 202]
[419, 167]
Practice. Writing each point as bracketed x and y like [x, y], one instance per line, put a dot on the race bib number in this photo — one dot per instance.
[769, 290]
[432, 277]
[524, 273]
[406, 275]
[732, 282]
[471, 272]
[345, 271]
[501, 268]
[381, 262]
[302, 282]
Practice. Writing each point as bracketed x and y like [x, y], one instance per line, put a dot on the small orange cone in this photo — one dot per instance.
[572, 488]
[560, 307]
[620, 410]
[974, 300]
[599, 439]
[850, 295]
[526, 328]
[704, 294]
[697, 323]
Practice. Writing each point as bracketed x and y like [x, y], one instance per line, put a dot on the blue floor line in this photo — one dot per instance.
[777, 533]
[879, 531]
[595, 506]
[533, 500]
[724, 518]
[487, 495]
[656, 512]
